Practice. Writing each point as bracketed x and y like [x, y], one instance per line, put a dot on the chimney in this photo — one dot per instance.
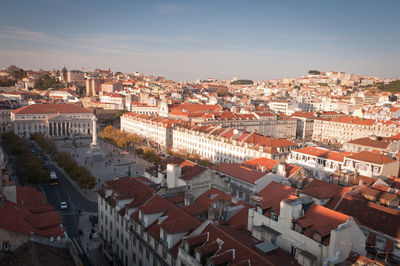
[281, 170]
[263, 168]
[173, 173]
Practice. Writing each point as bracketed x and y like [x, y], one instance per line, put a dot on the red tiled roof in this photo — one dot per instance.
[258, 163]
[323, 220]
[371, 215]
[229, 243]
[371, 157]
[378, 194]
[179, 225]
[291, 169]
[50, 109]
[18, 218]
[323, 190]
[381, 143]
[272, 195]
[238, 171]
[197, 108]
[210, 196]
[265, 141]
[323, 153]
[353, 120]
[304, 114]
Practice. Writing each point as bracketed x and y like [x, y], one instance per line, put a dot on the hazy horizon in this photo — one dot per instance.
[190, 40]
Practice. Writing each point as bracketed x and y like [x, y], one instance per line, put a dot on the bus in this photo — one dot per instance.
[53, 178]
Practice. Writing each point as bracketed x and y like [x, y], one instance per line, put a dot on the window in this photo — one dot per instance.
[140, 247]
[147, 255]
[140, 262]
[274, 217]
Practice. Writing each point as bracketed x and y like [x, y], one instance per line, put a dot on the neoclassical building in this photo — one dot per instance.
[52, 120]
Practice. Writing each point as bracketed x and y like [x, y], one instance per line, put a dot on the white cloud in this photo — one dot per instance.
[22, 34]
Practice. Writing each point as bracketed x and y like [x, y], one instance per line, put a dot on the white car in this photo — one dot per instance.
[63, 205]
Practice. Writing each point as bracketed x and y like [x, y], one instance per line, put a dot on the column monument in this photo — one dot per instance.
[94, 151]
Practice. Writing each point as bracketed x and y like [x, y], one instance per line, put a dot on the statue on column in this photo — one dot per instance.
[94, 151]
[94, 143]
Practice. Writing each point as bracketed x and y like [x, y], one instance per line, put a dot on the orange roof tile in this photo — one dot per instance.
[372, 157]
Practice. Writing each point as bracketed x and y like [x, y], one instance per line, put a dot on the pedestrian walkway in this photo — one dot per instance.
[91, 243]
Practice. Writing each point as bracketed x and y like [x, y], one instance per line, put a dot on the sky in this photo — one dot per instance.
[190, 40]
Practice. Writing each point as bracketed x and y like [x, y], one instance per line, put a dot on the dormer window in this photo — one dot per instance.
[274, 217]
[317, 237]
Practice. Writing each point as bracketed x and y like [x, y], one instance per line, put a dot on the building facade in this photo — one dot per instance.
[52, 120]
[343, 129]
[76, 76]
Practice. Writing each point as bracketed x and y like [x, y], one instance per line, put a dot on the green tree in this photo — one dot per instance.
[242, 82]
[393, 86]
[16, 73]
[45, 82]
[64, 74]
[314, 72]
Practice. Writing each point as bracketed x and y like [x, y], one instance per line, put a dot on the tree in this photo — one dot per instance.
[45, 82]
[314, 72]
[222, 92]
[393, 86]
[64, 74]
[119, 114]
[242, 82]
[16, 73]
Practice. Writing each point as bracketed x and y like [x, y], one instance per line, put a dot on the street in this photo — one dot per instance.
[65, 191]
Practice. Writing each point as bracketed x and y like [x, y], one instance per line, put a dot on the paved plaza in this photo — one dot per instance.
[116, 162]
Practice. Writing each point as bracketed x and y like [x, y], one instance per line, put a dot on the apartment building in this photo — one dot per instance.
[110, 86]
[287, 107]
[265, 123]
[370, 209]
[93, 87]
[324, 163]
[305, 124]
[210, 142]
[5, 120]
[142, 108]
[346, 128]
[243, 181]
[76, 76]
[313, 234]
[156, 129]
[138, 226]
[116, 99]
[229, 145]
[212, 245]
[385, 145]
